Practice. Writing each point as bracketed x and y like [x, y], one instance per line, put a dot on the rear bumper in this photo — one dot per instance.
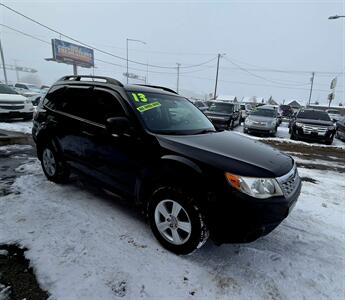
[238, 218]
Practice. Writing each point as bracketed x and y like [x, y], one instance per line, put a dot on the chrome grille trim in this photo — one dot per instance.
[11, 102]
[290, 181]
[14, 107]
[314, 128]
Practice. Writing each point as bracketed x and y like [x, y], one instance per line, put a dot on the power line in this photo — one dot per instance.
[259, 76]
[95, 48]
[257, 84]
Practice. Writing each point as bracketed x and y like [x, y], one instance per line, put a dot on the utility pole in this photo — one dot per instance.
[75, 69]
[127, 58]
[147, 74]
[311, 86]
[215, 86]
[16, 67]
[178, 77]
[3, 63]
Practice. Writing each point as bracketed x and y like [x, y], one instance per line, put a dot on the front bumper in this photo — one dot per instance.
[300, 134]
[238, 218]
[259, 128]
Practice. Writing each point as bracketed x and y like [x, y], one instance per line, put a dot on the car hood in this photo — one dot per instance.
[12, 97]
[314, 122]
[230, 152]
[260, 118]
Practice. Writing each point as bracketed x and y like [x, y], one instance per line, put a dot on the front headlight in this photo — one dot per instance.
[261, 188]
[27, 101]
[298, 124]
[331, 127]
[248, 122]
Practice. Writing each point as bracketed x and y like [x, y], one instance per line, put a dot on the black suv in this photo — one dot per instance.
[156, 148]
[224, 114]
[312, 125]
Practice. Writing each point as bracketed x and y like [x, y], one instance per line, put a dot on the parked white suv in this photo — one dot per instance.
[13, 105]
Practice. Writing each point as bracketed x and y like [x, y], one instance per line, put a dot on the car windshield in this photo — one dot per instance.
[222, 107]
[5, 89]
[263, 112]
[333, 111]
[168, 114]
[313, 115]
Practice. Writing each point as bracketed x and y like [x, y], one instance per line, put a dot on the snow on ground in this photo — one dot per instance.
[19, 126]
[83, 245]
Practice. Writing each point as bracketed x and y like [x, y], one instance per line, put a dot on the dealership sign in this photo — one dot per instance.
[73, 54]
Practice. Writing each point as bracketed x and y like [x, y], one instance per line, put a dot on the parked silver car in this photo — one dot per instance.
[261, 121]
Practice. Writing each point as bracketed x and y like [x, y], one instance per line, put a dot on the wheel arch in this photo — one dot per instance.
[170, 169]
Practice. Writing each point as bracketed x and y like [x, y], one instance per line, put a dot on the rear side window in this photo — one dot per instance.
[76, 101]
[54, 97]
[313, 115]
[21, 86]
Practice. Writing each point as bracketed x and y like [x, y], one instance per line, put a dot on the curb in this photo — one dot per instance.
[11, 137]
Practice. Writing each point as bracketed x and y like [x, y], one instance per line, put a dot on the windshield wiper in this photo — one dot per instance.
[205, 131]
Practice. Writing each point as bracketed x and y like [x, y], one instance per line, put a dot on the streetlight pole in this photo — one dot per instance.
[3, 63]
[131, 40]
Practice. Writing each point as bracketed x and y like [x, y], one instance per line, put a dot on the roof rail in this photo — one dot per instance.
[92, 78]
[158, 87]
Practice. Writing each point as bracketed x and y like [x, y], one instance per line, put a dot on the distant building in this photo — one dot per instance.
[271, 101]
[253, 100]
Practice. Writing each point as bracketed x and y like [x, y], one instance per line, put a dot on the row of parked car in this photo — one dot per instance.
[305, 124]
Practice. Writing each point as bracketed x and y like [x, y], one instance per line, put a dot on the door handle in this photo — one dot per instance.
[88, 133]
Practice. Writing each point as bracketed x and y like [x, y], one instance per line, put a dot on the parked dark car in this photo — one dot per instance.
[312, 125]
[154, 147]
[286, 111]
[200, 104]
[225, 115]
[340, 129]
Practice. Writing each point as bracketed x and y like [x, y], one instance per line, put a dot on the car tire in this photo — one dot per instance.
[329, 142]
[53, 166]
[176, 220]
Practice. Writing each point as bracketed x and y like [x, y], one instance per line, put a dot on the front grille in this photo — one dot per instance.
[290, 181]
[12, 107]
[11, 102]
[308, 129]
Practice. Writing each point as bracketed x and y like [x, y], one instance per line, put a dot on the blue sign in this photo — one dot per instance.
[69, 53]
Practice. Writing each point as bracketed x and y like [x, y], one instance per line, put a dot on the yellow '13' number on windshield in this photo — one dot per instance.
[139, 97]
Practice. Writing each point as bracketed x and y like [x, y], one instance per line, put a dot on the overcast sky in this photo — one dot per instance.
[255, 36]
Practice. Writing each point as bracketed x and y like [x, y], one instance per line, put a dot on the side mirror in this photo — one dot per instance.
[119, 126]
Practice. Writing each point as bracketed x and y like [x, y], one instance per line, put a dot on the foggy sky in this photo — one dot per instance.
[283, 35]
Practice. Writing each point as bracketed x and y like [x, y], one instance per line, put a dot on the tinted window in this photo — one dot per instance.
[54, 97]
[264, 112]
[103, 106]
[313, 115]
[222, 108]
[21, 86]
[5, 89]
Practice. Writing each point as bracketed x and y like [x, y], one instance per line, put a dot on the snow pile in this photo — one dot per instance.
[87, 246]
[23, 127]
